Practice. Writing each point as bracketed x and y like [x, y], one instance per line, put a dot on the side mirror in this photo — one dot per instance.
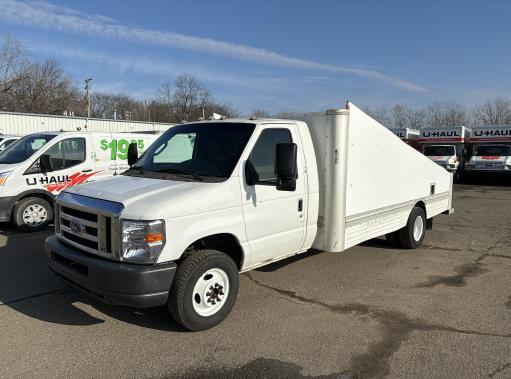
[251, 176]
[45, 163]
[286, 168]
[132, 154]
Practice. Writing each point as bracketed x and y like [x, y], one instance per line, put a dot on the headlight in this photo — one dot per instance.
[142, 241]
[508, 162]
[3, 177]
[452, 160]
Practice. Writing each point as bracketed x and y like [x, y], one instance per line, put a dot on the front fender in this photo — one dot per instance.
[181, 232]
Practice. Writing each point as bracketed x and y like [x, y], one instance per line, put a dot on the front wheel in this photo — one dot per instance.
[32, 214]
[412, 235]
[204, 290]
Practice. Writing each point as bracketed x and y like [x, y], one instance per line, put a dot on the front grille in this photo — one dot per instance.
[86, 230]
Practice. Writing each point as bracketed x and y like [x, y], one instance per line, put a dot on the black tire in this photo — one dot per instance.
[393, 238]
[189, 272]
[406, 234]
[22, 205]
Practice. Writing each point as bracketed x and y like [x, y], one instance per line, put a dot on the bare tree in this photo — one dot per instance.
[494, 112]
[416, 119]
[12, 68]
[186, 97]
[224, 109]
[400, 115]
[260, 113]
[380, 114]
[446, 114]
[44, 89]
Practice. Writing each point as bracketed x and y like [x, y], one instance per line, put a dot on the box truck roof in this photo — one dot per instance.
[444, 134]
[405, 133]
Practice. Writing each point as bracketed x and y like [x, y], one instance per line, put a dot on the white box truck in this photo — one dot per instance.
[177, 229]
[35, 168]
[447, 146]
[491, 150]
[409, 136]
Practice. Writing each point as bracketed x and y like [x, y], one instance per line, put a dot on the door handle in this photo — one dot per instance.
[300, 205]
[87, 170]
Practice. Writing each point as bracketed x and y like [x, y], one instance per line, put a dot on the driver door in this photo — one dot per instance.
[70, 164]
[274, 220]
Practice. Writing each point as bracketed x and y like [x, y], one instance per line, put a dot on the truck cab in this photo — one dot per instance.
[447, 146]
[491, 150]
[443, 155]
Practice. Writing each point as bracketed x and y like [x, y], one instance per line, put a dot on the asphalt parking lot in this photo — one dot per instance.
[442, 311]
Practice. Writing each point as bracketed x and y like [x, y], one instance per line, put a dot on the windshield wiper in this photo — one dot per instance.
[182, 172]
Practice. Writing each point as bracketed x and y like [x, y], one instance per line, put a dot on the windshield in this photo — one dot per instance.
[196, 151]
[439, 151]
[24, 148]
[493, 151]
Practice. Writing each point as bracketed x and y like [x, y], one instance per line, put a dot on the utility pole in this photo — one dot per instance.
[87, 95]
[148, 107]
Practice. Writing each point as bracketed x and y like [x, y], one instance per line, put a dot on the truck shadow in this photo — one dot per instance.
[487, 180]
[30, 288]
[377, 243]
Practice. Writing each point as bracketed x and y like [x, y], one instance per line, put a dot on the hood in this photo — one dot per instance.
[149, 199]
[489, 158]
[8, 167]
[439, 158]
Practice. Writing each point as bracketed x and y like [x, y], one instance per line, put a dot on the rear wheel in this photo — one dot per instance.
[32, 214]
[393, 238]
[412, 235]
[204, 290]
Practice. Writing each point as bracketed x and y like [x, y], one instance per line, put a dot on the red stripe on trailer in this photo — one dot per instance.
[490, 139]
[455, 139]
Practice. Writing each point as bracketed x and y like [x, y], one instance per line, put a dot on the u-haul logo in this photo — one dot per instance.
[440, 134]
[492, 133]
[57, 183]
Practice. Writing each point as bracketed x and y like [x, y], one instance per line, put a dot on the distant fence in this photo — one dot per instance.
[24, 123]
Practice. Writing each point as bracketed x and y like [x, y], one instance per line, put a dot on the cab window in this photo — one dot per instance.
[64, 154]
[67, 153]
[262, 157]
[176, 150]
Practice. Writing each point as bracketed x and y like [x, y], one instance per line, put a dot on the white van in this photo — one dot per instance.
[38, 166]
[6, 140]
[177, 229]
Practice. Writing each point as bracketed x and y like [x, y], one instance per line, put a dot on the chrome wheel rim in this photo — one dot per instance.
[210, 292]
[34, 215]
[418, 228]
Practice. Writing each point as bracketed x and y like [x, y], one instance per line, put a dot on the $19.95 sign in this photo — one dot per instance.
[119, 148]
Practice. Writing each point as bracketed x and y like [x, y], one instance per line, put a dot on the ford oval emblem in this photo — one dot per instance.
[76, 227]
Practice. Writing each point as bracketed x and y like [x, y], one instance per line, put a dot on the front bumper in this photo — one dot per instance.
[6, 205]
[116, 283]
[493, 171]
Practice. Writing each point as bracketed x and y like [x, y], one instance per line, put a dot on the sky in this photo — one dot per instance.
[284, 55]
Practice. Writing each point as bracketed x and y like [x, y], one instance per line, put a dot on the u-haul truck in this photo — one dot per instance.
[37, 167]
[408, 136]
[446, 146]
[177, 229]
[491, 150]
